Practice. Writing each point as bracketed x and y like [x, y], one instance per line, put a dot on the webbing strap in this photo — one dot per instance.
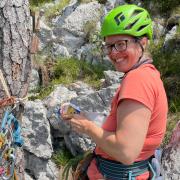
[113, 170]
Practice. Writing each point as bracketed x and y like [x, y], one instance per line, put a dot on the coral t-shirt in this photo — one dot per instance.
[143, 85]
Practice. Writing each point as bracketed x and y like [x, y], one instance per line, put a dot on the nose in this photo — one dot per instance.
[113, 54]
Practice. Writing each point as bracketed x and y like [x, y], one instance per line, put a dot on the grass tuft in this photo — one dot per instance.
[69, 70]
[62, 157]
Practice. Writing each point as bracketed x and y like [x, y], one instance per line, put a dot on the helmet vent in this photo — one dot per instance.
[131, 25]
[119, 18]
[136, 12]
[141, 27]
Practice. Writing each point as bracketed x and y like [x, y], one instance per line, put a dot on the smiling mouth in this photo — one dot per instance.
[119, 60]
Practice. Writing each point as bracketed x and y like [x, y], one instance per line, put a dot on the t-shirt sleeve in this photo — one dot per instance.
[138, 85]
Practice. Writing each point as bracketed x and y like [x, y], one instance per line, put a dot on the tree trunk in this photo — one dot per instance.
[15, 59]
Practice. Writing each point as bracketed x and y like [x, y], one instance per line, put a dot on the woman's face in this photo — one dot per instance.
[125, 54]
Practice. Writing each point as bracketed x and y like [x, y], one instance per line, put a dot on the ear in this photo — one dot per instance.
[144, 42]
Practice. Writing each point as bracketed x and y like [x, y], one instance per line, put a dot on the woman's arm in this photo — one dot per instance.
[126, 143]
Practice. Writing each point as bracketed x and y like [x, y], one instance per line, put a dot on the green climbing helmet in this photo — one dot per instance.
[127, 19]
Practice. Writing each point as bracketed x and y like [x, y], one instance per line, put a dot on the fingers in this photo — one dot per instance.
[66, 116]
[80, 116]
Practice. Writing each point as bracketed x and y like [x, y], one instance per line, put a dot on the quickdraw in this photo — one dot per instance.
[10, 135]
[10, 139]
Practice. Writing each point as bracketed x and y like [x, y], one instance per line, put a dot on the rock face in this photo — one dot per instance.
[171, 156]
[39, 116]
[78, 20]
[37, 142]
[36, 130]
[35, 80]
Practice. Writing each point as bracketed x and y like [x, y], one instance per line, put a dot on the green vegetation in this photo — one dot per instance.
[88, 1]
[51, 11]
[39, 2]
[41, 92]
[69, 70]
[167, 62]
[66, 71]
[35, 4]
[65, 159]
[172, 121]
[85, 1]
[164, 7]
[74, 163]
[62, 157]
[71, 165]
[56, 9]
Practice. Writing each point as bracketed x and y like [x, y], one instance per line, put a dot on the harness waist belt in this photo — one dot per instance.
[113, 170]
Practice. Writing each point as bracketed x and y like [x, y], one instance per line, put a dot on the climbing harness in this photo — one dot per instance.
[113, 170]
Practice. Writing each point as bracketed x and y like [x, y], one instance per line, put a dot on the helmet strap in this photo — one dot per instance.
[142, 48]
[143, 61]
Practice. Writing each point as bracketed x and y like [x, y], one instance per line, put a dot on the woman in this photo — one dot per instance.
[136, 124]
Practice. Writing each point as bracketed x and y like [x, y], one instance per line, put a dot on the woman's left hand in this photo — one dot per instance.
[80, 123]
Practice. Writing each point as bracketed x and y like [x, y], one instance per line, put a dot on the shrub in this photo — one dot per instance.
[167, 62]
[164, 7]
[69, 70]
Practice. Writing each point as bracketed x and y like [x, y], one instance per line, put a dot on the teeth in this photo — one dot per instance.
[119, 60]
